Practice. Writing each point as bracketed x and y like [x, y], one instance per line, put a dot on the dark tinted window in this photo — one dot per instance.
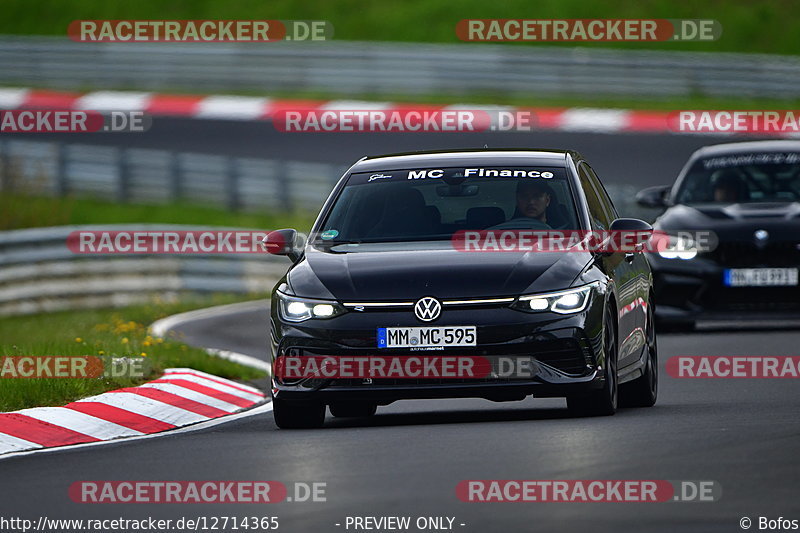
[744, 177]
[432, 204]
[598, 209]
[605, 199]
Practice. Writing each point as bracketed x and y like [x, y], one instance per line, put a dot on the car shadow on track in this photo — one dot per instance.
[458, 417]
[729, 326]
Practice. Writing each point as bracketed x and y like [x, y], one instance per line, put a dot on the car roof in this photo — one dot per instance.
[446, 158]
[747, 146]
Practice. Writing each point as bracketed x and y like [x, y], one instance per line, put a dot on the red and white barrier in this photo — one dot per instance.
[254, 108]
[180, 397]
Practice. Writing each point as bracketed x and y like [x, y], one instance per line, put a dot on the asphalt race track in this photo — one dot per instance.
[408, 459]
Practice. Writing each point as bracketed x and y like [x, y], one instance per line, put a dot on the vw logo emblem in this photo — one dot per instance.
[428, 309]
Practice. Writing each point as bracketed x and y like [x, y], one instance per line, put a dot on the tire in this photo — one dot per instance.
[602, 402]
[353, 410]
[297, 415]
[643, 391]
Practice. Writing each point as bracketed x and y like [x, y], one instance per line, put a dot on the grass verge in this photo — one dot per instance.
[747, 26]
[107, 333]
[26, 210]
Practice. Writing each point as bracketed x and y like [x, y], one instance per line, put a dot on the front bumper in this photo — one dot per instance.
[495, 391]
[564, 350]
[689, 290]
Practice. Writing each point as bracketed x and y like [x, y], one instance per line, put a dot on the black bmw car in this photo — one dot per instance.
[381, 276]
[744, 200]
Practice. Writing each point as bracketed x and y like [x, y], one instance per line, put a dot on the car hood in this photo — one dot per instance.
[400, 273]
[734, 221]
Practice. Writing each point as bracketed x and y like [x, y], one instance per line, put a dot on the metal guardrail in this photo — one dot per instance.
[159, 176]
[38, 272]
[360, 68]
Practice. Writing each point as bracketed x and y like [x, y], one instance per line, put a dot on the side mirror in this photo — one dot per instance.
[284, 242]
[653, 196]
[631, 233]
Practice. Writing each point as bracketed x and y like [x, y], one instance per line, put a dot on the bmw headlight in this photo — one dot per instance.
[679, 248]
[562, 302]
[296, 309]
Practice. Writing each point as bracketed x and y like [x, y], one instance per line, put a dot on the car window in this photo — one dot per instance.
[433, 204]
[602, 193]
[598, 211]
[741, 178]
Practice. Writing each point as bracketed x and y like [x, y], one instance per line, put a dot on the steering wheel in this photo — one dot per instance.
[521, 223]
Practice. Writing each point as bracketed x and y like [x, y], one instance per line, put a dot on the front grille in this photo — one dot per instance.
[742, 254]
[747, 254]
[565, 355]
[417, 382]
[757, 299]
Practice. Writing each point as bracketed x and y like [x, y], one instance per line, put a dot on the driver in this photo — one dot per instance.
[533, 199]
[727, 187]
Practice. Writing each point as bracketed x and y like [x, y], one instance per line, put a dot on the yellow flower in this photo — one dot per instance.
[159, 340]
[143, 354]
[124, 340]
[146, 343]
[78, 339]
[101, 352]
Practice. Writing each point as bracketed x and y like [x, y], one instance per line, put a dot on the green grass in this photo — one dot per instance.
[748, 26]
[623, 102]
[106, 333]
[21, 210]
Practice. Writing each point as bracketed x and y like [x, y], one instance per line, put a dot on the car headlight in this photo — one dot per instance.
[562, 302]
[679, 248]
[296, 309]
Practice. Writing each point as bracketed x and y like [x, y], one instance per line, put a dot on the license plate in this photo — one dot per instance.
[427, 337]
[760, 277]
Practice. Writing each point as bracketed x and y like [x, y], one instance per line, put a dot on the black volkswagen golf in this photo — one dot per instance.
[384, 302]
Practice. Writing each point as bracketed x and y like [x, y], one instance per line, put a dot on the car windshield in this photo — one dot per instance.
[742, 178]
[433, 204]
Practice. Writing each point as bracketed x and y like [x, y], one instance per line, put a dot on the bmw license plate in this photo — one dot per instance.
[760, 277]
[427, 337]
